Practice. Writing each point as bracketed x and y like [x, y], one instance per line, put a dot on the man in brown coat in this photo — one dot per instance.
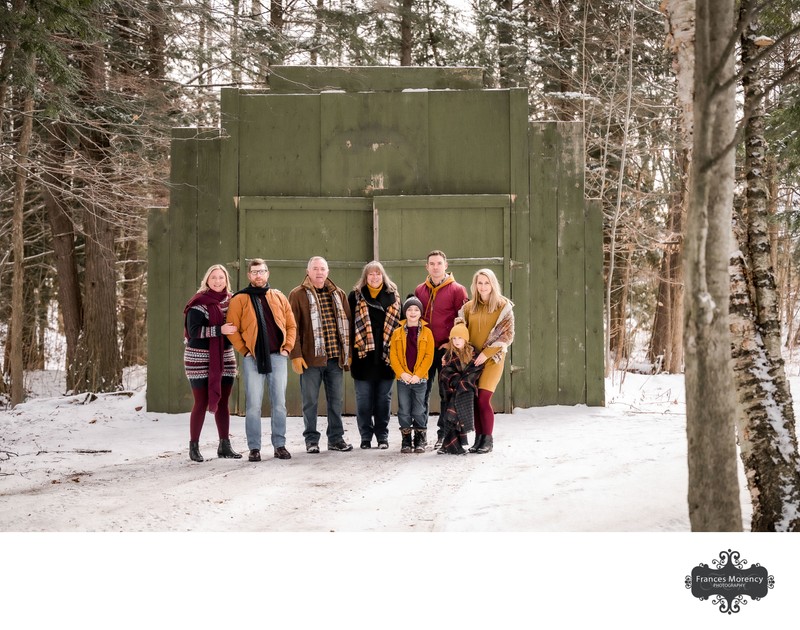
[266, 333]
[322, 351]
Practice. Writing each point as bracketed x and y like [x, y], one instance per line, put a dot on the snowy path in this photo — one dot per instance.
[619, 468]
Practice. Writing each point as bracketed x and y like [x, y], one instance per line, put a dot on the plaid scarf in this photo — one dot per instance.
[458, 390]
[502, 335]
[363, 338]
[317, 323]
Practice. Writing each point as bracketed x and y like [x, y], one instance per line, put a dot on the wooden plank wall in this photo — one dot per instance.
[299, 79]
[184, 241]
[158, 348]
[273, 145]
[545, 148]
[593, 265]
[518, 364]
[566, 272]
[571, 279]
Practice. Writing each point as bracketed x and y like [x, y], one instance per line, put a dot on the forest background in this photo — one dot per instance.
[90, 89]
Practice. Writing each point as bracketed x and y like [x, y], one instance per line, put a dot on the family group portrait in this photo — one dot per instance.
[481, 282]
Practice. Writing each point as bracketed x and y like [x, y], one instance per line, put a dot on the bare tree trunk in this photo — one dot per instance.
[276, 20]
[131, 308]
[710, 406]
[5, 67]
[235, 45]
[505, 42]
[620, 342]
[431, 38]
[618, 214]
[680, 16]
[658, 352]
[675, 271]
[156, 47]
[406, 36]
[63, 239]
[317, 32]
[98, 358]
[18, 244]
[666, 343]
[765, 419]
[766, 422]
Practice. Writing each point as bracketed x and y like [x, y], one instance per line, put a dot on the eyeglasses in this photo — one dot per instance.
[258, 272]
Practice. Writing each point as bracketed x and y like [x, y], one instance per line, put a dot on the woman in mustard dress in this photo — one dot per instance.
[489, 317]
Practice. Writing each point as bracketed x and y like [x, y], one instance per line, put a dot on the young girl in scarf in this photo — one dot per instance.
[209, 359]
[458, 390]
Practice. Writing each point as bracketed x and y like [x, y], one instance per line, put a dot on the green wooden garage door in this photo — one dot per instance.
[473, 230]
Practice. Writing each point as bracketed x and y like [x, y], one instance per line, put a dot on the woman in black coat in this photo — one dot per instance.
[375, 313]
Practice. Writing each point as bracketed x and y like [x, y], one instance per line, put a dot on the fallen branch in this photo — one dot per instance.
[80, 451]
[90, 397]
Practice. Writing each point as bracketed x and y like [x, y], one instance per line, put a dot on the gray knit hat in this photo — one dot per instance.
[411, 301]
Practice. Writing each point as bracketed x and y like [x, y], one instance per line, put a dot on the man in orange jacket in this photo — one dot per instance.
[266, 333]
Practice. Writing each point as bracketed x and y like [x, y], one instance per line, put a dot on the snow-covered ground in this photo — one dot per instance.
[106, 464]
[566, 488]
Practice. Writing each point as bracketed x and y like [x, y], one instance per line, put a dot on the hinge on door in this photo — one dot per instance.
[516, 368]
[516, 264]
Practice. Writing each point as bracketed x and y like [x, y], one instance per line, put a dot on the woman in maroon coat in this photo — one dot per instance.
[208, 359]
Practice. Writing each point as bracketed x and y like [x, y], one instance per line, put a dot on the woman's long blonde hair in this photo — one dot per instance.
[204, 283]
[496, 300]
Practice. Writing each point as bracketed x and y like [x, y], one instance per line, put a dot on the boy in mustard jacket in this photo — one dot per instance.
[411, 355]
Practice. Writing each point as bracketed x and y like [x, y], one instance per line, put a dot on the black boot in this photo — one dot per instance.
[194, 452]
[486, 445]
[420, 440]
[405, 446]
[478, 439]
[225, 451]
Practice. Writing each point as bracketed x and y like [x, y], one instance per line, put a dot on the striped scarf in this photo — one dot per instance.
[363, 339]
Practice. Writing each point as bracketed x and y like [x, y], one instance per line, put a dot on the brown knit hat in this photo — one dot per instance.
[459, 330]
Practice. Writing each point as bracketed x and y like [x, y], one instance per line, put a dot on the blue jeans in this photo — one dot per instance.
[254, 394]
[436, 366]
[373, 407]
[312, 378]
[411, 405]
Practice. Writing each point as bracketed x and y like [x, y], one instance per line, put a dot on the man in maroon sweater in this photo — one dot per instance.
[441, 298]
